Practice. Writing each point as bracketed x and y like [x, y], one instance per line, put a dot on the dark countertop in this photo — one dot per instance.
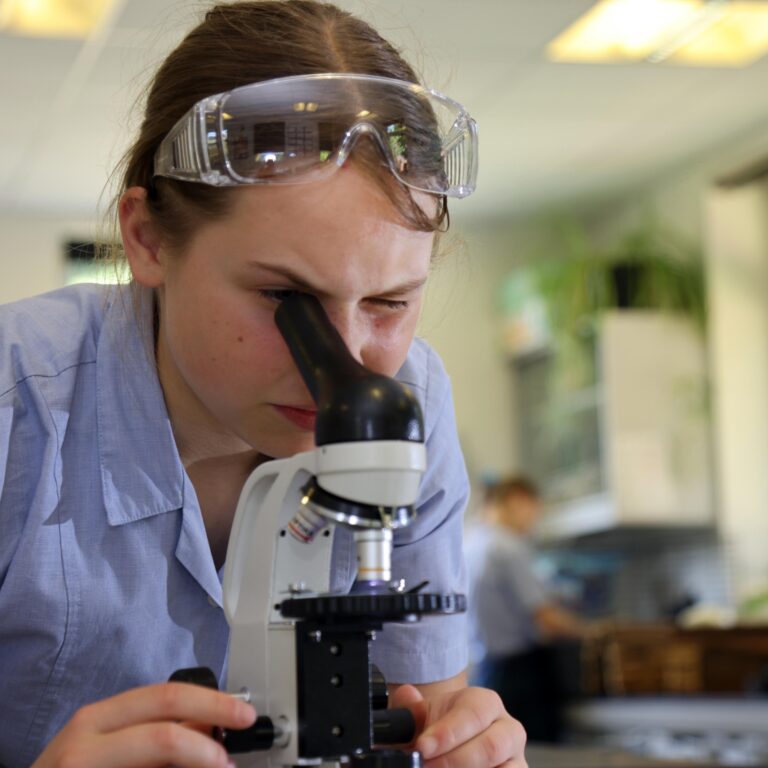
[735, 714]
[540, 756]
[684, 730]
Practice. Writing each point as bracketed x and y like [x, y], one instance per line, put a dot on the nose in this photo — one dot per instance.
[351, 327]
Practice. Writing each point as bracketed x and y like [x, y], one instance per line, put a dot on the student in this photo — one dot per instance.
[130, 418]
[514, 618]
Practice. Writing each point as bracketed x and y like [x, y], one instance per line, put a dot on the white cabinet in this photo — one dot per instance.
[632, 447]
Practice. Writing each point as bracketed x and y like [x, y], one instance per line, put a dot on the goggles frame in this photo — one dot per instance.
[197, 148]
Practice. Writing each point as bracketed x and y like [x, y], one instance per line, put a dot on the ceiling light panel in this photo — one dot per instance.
[52, 18]
[738, 38]
[690, 32]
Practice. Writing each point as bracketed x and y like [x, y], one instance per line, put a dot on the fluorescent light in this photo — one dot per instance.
[711, 12]
[52, 18]
[621, 30]
[692, 32]
[738, 38]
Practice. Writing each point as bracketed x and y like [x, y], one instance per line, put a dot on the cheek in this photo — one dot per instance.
[234, 347]
[254, 345]
[391, 342]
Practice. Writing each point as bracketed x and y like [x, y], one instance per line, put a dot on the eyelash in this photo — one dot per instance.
[278, 294]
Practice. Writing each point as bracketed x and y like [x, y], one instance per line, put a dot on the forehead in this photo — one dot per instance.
[341, 228]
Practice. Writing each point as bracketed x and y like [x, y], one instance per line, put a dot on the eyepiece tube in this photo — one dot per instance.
[317, 348]
[353, 403]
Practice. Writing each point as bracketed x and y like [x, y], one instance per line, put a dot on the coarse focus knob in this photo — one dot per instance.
[386, 758]
[393, 726]
[196, 676]
[260, 736]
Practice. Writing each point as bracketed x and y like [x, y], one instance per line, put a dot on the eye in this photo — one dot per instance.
[278, 294]
[392, 305]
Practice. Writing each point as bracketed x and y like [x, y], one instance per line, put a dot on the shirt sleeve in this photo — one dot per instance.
[430, 549]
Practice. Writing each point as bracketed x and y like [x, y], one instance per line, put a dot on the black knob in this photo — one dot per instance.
[197, 676]
[386, 758]
[260, 736]
[393, 726]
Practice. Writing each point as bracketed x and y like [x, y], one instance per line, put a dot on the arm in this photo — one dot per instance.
[553, 622]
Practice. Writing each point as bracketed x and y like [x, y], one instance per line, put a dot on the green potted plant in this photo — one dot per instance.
[649, 268]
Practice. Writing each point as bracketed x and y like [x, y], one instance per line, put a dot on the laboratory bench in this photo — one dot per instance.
[540, 756]
[704, 730]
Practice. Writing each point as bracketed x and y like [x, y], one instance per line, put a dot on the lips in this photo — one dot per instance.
[304, 418]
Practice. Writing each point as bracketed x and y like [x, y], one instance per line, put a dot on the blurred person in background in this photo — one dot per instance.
[515, 620]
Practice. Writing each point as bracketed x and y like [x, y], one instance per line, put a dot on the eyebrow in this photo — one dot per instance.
[302, 284]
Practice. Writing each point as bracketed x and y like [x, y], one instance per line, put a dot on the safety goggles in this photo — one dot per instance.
[297, 129]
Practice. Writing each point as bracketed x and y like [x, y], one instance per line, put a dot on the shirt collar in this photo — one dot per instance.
[141, 471]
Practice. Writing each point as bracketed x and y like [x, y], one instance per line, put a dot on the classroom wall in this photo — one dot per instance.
[32, 247]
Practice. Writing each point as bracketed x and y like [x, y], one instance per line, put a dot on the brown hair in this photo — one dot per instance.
[514, 485]
[241, 43]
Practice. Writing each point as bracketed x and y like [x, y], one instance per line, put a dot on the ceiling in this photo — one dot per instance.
[549, 132]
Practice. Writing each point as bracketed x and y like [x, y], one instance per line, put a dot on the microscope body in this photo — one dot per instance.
[276, 658]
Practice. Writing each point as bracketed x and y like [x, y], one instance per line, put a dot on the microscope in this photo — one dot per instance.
[299, 653]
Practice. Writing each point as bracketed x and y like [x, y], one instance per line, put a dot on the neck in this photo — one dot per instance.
[218, 481]
[217, 460]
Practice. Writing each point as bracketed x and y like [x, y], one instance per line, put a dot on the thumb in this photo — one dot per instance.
[409, 697]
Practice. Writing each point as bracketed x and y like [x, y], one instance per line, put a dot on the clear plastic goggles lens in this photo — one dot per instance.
[291, 128]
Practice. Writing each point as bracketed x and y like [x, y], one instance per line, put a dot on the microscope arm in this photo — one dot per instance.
[262, 564]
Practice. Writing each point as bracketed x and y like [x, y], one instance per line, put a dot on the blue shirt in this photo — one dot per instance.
[106, 576]
[504, 592]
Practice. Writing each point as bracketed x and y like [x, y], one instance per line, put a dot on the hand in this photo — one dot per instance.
[157, 725]
[466, 728]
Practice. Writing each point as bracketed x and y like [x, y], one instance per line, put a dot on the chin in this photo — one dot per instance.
[289, 446]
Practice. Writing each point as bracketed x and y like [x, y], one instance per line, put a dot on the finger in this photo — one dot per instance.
[501, 743]
[153, 745]
[208, 730]
[469, 713]
[405, 696]
[167, 701]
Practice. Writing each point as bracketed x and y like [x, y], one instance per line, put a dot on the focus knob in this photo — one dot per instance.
[386, 758]
[260, 736]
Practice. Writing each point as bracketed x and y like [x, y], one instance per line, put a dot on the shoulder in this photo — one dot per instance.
[424, 372]
[445, 485]
[44, 336]
[48, 347]
[48, 350]
[477, 536]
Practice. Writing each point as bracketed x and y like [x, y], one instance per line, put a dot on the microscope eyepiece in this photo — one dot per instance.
[353, 403]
